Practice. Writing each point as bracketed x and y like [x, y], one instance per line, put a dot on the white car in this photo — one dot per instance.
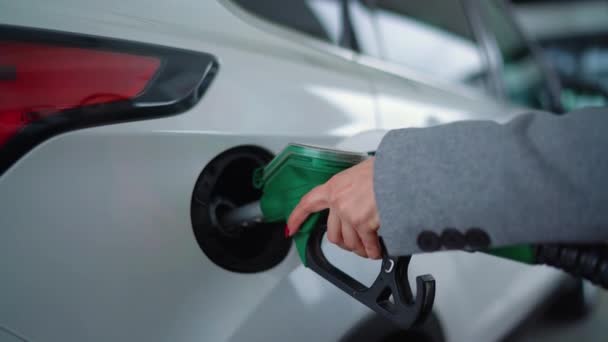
[126, 127]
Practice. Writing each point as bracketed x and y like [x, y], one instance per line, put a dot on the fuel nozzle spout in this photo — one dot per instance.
[243, 217]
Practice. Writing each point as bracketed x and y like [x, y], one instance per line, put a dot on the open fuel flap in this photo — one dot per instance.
[224, 184]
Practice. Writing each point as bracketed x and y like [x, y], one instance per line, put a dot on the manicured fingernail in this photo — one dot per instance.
[286, 231]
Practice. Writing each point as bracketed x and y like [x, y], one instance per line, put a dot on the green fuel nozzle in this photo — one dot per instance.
[291, 175]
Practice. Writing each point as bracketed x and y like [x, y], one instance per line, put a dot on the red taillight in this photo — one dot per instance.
[44, 79]
[52, 82]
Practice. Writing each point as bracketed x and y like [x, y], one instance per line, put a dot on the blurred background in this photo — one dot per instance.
[573, 37]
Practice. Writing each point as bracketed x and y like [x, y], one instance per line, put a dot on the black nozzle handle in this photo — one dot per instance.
[391, 283]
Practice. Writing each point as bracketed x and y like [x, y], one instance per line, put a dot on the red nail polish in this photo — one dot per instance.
[286, 231]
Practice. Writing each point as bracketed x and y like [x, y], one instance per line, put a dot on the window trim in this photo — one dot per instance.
[348, 36]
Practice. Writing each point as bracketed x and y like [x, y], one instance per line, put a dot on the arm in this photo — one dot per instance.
[539, 178]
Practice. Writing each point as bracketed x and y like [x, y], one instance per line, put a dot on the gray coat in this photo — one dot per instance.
[478, 184]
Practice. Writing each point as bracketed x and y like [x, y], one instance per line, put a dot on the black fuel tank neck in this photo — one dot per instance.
[224, 184]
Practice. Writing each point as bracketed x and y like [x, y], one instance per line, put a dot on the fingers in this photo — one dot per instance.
[352, 242]
[364, 244]
[371, 244]
[353, 220]
[334, 229]
[315, 200]
[367, 228]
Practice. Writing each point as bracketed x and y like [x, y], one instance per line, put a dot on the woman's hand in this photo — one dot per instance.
[353, 220]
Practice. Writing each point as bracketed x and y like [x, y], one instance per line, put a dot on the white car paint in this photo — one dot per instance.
[96, 240]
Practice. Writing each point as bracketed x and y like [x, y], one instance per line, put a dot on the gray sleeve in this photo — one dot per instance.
[538, 178]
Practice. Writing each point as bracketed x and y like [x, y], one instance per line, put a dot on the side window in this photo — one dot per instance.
[321, 19]
[432, 36]
[522, 76]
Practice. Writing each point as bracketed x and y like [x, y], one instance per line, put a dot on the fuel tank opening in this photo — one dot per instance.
[224, 184]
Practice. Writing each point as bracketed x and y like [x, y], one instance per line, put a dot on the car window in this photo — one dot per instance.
[522, 76]
[321, 19]
[431, 36]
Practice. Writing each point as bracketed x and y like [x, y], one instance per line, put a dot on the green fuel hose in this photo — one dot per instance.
[588, 261]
